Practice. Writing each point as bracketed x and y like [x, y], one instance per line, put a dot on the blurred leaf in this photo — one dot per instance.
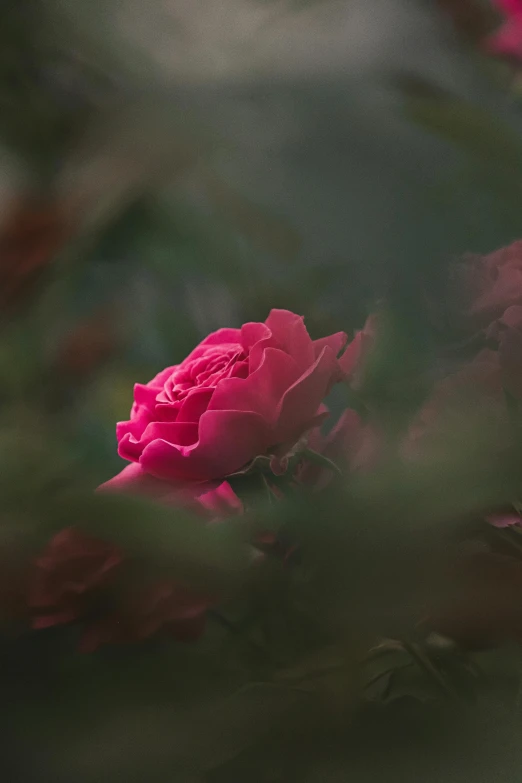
[34, 233]
[271, 233]
[124, 153]
[476, 130]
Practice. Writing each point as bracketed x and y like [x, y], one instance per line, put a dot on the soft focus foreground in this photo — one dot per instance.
[261, 341]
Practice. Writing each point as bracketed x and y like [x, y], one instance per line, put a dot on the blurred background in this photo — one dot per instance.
[173, 166]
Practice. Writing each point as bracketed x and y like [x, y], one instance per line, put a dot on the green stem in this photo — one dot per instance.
[320, 459]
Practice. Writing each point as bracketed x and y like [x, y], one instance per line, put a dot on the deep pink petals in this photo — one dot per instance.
[194, 405]
[227, 441]
[300, 402]
[134, 480]
[131, 476]
[221, 337]
[291, 334]
[224, 336]
[256, 341]
[183, 434]
[261, 392]
[159, 380]
[221, 501]
[252, 333]
[135, 426]
[145, 396]
[218, 500]
[335, 342]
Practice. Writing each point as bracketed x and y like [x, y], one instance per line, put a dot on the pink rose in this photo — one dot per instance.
[241, 393]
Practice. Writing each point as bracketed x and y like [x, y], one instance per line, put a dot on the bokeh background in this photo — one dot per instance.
[174, 166]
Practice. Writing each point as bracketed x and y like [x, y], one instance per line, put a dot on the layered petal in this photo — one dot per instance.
[221, 501]
[183, 434]
[335, 342]
[262, 391]
[220, 337]
[227, 441]
[134, 480]
[194, 405]
[290, 332]
[301, 400]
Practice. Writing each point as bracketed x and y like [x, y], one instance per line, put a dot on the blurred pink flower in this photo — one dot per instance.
[507, 40]
[506, 518]
[82, 579]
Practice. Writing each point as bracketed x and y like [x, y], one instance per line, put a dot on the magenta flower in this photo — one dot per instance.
[241, 393]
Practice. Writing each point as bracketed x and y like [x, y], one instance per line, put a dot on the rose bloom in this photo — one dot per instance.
[240, 393]
[81, 579]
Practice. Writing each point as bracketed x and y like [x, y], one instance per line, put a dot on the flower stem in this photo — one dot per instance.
[320, 459]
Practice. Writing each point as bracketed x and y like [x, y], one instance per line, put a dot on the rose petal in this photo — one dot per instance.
[335, 342]
[228, 440]
[253, 333]
[262, 390]
[194, 405]
[182, 434]
[145, 396]
[221, 337]
[290, 332]
[300, 402]
[135, 426]
[222, 500]
[133, 479]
